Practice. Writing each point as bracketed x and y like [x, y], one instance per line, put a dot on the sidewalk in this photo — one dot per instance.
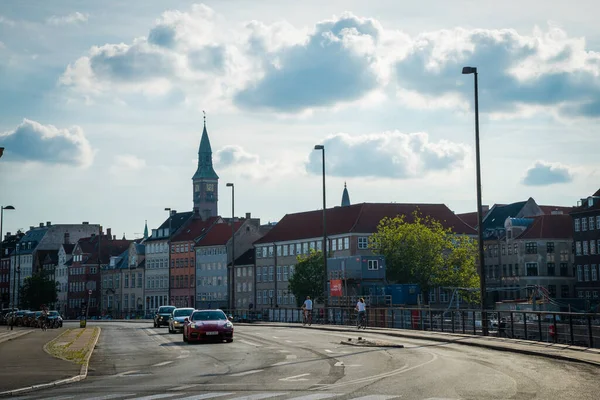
[28, 364]
[16, 332]
[556, 351]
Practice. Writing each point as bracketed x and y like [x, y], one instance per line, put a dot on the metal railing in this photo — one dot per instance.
[580, 329]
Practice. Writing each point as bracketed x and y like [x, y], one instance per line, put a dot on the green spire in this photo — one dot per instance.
[146, 230]
[345, 197]
[205, 168]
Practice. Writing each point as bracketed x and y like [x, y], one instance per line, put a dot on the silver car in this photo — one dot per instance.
[177, 318]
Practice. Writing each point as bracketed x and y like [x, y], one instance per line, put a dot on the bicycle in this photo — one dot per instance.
[44, 324]
[307, 318]
[361, 321]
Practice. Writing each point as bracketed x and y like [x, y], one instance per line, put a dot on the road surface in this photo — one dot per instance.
[136, 361]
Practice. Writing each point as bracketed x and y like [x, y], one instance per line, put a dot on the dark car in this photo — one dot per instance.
[163, 315]
[207, 325]
[54, 319]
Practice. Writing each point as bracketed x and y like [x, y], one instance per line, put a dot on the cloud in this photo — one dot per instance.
[73, 18]
[32, 141]
[543, 173]
[127, 163]
[387, 155]
[545, 69]
[6, 21]
[342, 61]
[246, 165]
[234, 156]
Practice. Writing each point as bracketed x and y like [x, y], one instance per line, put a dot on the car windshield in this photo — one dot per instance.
[208, 316]
[166, 310]
[53, 313]
[183, 312]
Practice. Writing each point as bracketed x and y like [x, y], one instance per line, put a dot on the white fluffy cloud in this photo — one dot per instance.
[72, 18]
[544, 173]
[389, 154]
[250, 166]
[342, 60]
[32, 141]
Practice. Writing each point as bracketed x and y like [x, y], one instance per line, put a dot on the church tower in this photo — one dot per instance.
[345, 197]
[205, 181]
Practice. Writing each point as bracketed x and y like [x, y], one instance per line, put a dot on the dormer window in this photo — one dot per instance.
[590, 201]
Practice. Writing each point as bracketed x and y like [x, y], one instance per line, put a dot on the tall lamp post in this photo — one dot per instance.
[232, 273]
[170, 301]
[484, 325]
[322, 148]
[2, 208]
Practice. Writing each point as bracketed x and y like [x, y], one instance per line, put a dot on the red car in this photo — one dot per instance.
[207, 325]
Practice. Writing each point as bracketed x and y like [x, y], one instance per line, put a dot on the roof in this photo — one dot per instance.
[549, 227]
[345, 197]
[205, 167]
[357, 218]
[597, 193]
[140, 249]
[219, 234]
[550, 209]
[496, 217]
[34, 236]
[177, 221]
[584, 205]
[470, 218]
[108, 248]
[68, 248]
[247, 258]
[195, 228]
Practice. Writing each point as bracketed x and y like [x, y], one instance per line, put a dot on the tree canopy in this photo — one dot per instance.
[38, 289]
[426, 253]
[309, 277]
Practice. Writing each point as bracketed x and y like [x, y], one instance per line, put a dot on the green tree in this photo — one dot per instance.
[426, 253]
[309, 278]
[37, 290]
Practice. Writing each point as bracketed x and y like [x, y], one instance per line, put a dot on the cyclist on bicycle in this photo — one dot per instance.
[44, 317]
[361, 308]
[307, 309]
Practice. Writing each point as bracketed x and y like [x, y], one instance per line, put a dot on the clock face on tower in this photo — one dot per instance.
[196, 188]
[210, 187]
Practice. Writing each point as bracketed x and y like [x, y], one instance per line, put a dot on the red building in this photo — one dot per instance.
[183, 260]
[84, 286]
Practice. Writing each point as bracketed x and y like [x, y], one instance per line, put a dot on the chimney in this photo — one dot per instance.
[248, 215]
[31, 227]
[173, 212]
[41, 224]
[109, 233]
[67, 238]
[485, 209]
[48, 223]
[85, 223]
[196, 211]
[115, 237]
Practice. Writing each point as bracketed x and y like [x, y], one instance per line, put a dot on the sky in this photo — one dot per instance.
[101, 105]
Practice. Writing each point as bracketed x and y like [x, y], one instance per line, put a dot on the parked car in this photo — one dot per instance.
[54, 319]
[163, 315]
[208, 325]
[178, 317]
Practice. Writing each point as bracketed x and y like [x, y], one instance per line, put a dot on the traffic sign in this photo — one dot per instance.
[90, 291]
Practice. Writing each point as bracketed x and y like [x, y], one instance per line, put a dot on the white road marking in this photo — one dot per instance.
[204, 396]
[258, 396]
[111, 396]
[184, 387]
[155, 396]
[250, 343]
[127, 373]
[316, 396]
[375, 397]
[339, 364]
[295, 378]
[280, 363]
[291, 356]
[275, 337]
[328, 351]
[284, 351]
[162, 363]
[254, 371]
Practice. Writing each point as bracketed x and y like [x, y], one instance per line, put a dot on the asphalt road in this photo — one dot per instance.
[136, 361]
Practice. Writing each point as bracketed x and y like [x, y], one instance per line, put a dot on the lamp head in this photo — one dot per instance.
[229, 185]
[167, 209]
[319, 147]
[469, 70]
[8, 208]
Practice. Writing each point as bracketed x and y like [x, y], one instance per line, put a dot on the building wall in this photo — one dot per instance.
[211, 276]
[183, 261]
[132, 278]
[156, 290]
[586, 235]
[62, 277]
[244, 282]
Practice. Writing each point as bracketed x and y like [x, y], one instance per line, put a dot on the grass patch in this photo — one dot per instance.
[67, 351]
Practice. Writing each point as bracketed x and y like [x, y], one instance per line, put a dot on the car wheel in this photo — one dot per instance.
[229, 340]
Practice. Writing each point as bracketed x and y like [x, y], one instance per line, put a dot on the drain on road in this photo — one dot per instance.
[360, 342]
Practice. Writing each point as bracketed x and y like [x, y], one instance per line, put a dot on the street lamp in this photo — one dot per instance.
[2, 208]
[232, 271]
[322, 148]
[1, 151]
[484, 326]
[168, 209]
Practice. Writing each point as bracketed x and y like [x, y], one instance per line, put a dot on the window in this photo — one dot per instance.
[285, 250]
[258, 274]
[532, 269]
[586, 272]
[432, 295]
[139, 280]
[285, 272]
[443, 296]
[565, 292]
[579, 274]
[346, 243]
[298, 248]
[373, 265]
[279, 273]
[333, 245]
[279, 251]
[270, 251]
[585, 247]
[594, 273]
[577, 225]
[319, 245]
[363, 242]
[564, 269]
[531, 248]
[580, 293]
[578, 248]
[595, 294]
[271, 273]
[592, 224]
[503, 249]
[552, 290]
[597, 221]
[584, 225]
[516, 248]
[312, 245]
[592, 247]
[551, 269]
[291, 271]
[550, 247]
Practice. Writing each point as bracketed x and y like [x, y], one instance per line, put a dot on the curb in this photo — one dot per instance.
[15, 336]
[82, 374]
[457, 340]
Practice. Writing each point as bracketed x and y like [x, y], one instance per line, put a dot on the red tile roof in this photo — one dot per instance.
[470, 218]
[597, 193]
[219, 234]
[108, 248]
[357, 218]
[195, 228]
[549, 209]
[549, 227]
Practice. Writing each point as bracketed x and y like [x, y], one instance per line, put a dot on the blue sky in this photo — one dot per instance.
[101, 105]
